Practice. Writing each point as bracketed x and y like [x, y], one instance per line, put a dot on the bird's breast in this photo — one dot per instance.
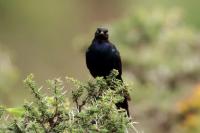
[101, 58]
[101, 53]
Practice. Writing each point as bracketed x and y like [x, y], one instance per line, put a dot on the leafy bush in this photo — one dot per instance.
[94, 110]
[159, 48]
[160, 55]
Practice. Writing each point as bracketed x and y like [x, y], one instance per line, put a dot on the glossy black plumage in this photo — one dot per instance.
[102, 57]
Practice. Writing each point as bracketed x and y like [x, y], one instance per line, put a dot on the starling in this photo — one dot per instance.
[102, 57]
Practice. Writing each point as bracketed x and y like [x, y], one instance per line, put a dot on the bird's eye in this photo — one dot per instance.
[105, 32]
[98, 31]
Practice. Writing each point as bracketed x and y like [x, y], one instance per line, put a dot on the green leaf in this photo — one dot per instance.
[17, 112]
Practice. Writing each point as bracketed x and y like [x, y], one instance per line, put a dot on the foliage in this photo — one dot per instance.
[160, 55]
[188, 110]
[94, 110]
[161, 52]
[168, 50]
[156, 46]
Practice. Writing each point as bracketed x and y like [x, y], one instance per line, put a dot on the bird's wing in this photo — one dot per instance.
[88, 58]
[90, 62]
[117, 64]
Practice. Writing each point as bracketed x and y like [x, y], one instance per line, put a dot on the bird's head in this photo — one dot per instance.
[101, 33]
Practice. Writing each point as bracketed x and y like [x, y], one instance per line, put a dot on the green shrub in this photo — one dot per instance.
[158, 47]
[94, 110]
[160, 55]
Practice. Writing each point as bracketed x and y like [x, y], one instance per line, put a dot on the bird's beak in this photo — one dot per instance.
[101, 33]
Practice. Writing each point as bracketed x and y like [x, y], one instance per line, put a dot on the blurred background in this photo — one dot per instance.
[159, 41]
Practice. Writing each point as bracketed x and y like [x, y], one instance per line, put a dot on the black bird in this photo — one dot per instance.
[102, 57]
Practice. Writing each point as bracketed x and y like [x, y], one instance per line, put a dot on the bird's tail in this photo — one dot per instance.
[127, 98]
